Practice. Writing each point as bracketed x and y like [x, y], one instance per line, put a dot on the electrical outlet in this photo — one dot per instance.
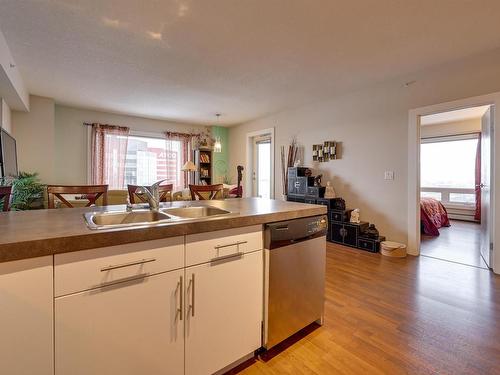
[389, 175]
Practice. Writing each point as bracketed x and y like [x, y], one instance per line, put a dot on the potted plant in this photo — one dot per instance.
[27, 192]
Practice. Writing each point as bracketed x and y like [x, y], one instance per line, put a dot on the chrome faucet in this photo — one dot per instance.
[152, 194]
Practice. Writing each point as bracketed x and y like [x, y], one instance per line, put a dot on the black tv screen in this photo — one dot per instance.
[8, 155]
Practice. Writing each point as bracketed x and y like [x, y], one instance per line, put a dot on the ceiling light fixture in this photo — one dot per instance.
[217, 143]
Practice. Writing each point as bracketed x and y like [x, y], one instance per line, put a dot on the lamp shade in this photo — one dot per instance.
[189, 167]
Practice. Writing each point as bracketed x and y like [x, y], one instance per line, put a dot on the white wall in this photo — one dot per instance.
[12, 87]
[5, 116]
[35, 138]
[71, 138]
[450, 128]
[372, 125]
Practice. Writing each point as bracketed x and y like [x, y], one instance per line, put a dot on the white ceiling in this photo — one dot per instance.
[185, 60]
[454, 116]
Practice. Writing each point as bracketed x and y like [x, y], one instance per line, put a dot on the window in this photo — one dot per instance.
[448, 167]
[152, 159]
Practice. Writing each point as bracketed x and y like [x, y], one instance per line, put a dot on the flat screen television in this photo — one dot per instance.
[8, 155]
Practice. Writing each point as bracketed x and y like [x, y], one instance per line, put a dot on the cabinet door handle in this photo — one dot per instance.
[191, 286]
[180, 285]
[230, 244]
[130, 264]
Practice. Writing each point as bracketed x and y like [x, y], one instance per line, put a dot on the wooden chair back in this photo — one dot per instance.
[165, 193]
[5, 192]
[91, 192]
[211, 190]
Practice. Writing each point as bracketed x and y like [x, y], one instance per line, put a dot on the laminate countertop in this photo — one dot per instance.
[29, 234]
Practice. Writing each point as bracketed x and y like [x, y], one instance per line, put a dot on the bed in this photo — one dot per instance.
[433, 215]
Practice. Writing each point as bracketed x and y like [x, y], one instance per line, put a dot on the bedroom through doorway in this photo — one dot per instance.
[455, 159]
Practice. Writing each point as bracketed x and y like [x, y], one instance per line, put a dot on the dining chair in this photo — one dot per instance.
[90, 192]
[207, 192]
[165, 193]
[5, 192]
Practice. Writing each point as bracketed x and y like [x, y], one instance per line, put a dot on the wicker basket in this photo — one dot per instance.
[393, 249]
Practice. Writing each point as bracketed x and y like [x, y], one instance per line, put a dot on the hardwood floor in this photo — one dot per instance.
[458, 243]
[396, 316]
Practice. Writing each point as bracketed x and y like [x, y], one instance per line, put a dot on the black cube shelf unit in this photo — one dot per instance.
[340, 229]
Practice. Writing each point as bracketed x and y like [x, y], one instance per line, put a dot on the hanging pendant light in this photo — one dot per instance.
[217, 143]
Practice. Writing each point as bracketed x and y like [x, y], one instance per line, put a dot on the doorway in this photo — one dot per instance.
[261, 174]
[259, 181]
[455, 171]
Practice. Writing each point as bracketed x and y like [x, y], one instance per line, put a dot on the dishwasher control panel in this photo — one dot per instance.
[292, 231]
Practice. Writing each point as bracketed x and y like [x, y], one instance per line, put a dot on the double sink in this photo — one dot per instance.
[141, 217]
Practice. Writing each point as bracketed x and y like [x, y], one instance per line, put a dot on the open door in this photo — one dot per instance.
[486, 141]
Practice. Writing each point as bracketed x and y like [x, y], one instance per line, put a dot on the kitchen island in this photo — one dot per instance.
[181, 297]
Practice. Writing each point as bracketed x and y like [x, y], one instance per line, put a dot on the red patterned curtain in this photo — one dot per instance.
[477, 213]
[109, 151]
[179, 150]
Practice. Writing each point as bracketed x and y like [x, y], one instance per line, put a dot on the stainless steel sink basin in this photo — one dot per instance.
[195, 212]
[123, 218]
[118, 219]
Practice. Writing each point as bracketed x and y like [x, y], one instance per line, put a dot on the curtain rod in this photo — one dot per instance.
[87, 124]
[474, 132]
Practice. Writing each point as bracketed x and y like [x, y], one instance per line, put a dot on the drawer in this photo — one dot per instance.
[88, 269]
[367, 244]
[340, 216]
[210, 246]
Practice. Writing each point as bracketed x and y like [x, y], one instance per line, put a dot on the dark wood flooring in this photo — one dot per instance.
[457, 243]
[416, 315]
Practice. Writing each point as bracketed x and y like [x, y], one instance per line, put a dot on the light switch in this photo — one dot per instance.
[389, 175]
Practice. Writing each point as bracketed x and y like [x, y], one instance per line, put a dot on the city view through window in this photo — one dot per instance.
[152, 159]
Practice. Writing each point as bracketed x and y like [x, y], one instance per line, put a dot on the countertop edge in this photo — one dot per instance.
[97, 239]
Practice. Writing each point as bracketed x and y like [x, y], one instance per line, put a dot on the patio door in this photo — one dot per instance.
[261, 173]
[485, 186]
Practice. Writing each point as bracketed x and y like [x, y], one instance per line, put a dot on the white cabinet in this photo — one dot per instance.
[128, 328]
[26, 317]
[223, 312]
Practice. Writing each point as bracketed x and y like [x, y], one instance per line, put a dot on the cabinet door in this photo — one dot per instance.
[128, 328]
[351, 235]
[336, 232]
[224, 312]
[26, 317]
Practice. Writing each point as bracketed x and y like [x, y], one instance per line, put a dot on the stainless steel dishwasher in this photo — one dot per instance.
[295, 255]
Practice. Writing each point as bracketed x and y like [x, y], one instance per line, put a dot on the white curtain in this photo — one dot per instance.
[109, 151]
[178, 152]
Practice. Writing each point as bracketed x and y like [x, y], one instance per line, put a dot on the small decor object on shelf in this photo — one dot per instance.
[329, 191]
[371, 232]
[288, 159]
[317, 180]
[355, 216]
[296, 164]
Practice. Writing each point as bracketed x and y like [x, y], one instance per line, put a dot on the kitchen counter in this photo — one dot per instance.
[29, 234]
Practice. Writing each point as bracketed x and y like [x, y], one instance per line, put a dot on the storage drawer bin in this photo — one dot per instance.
[341, 216]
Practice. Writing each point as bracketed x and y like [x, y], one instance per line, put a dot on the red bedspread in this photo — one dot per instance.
[433, 216]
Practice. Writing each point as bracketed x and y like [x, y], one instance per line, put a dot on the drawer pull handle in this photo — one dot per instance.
[234, 255]
[230, 244]
[142, 261]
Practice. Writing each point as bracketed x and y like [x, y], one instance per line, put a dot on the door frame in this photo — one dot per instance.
[247, 192]
[414, 169]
